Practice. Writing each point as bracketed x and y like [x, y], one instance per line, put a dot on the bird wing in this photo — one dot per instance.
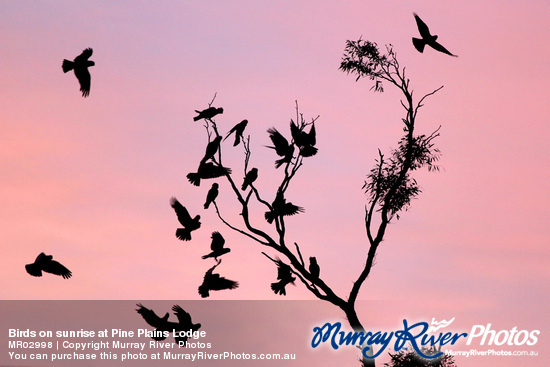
[217, 283]
[296, 133]
[210, 170]
[280, 142]
[182, 213]
[290, 209]
[283, 271]
[232, 131]
[56, 268]
[85, 55]
[150, 316]
[422, 27]
[217, 242]
[184, 318]
[312, 140]
[84, 78]
[438, 47]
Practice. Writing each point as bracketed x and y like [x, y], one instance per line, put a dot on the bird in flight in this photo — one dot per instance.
[427, 38]
[207, 170]
[46, 263]
[238, 130]
[284, 274]
[281, 146]
[189, 224]
[249, 178]
[208, 113]
[217, 246]
[304, 141]
[214, 282]
[80, 66]
[212, 195]
[164, 327]
[280, 208]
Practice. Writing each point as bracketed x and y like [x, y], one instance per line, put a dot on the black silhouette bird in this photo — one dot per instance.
[280, 208]
[427, 38]
[212, 195]
[217, 246]
[208, 113]
[284, 274]
[80, 66]
[163, 327]
[211, 149]
[189, 224]
[250, 177]
[214, 282]
[238, 130]
[304, 141]
[45, 263]
[207, 170]
[314, 268]
[281, 146]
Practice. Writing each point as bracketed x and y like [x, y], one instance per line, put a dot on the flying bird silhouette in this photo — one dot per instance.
[284, 274]
[427, 38]
[212, 195]
[281, 147]
[314, 268]
[250, 177]
[280, 208]
[212, 148]
[80, 66]
[189, 224]
[238, 130]
[217, 246]
[304, 141]
[164, 327]
[45, 263]
[214, 282]
[208, 113]
[207, 170]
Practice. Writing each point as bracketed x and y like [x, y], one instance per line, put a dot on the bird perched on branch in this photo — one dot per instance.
[207, 170]
[281, 147]
[427, 38]
[284, 274]
[314, 268]
[249, 178]
[80, 66]
[189, 224]
[211, 149]
[208, 113]
[46, 263]
[214, 282]
[164, 327]
[280, 208]
[304, 141]
[217, 246]
[212, 195]
[238, 130]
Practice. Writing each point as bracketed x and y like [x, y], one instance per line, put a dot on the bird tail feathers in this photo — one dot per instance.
[194, 178]
[67, 65]
[183, 234]
[419, 44]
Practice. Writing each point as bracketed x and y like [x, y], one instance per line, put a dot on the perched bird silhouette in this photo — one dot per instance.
[304, 141]
[238, 130]
[208, 113]
[250, 177]
[284, 274]
[163, 327]
[45, 263]
[207, 170]
[217, 246]
[280, 208]
[189, 224]
[281, 146]
[427, 38]
[212, 195]
[80, 66]
[214, 282]
[314, 268]
[212, 148]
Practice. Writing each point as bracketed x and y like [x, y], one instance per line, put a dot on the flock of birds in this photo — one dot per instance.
[208, 168]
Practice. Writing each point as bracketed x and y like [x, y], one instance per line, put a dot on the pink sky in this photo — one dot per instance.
[89, 180]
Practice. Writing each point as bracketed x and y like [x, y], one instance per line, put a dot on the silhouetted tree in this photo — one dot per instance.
[389, 186]
[409, 358]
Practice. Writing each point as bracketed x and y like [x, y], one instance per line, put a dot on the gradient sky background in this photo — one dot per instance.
[89, 180]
